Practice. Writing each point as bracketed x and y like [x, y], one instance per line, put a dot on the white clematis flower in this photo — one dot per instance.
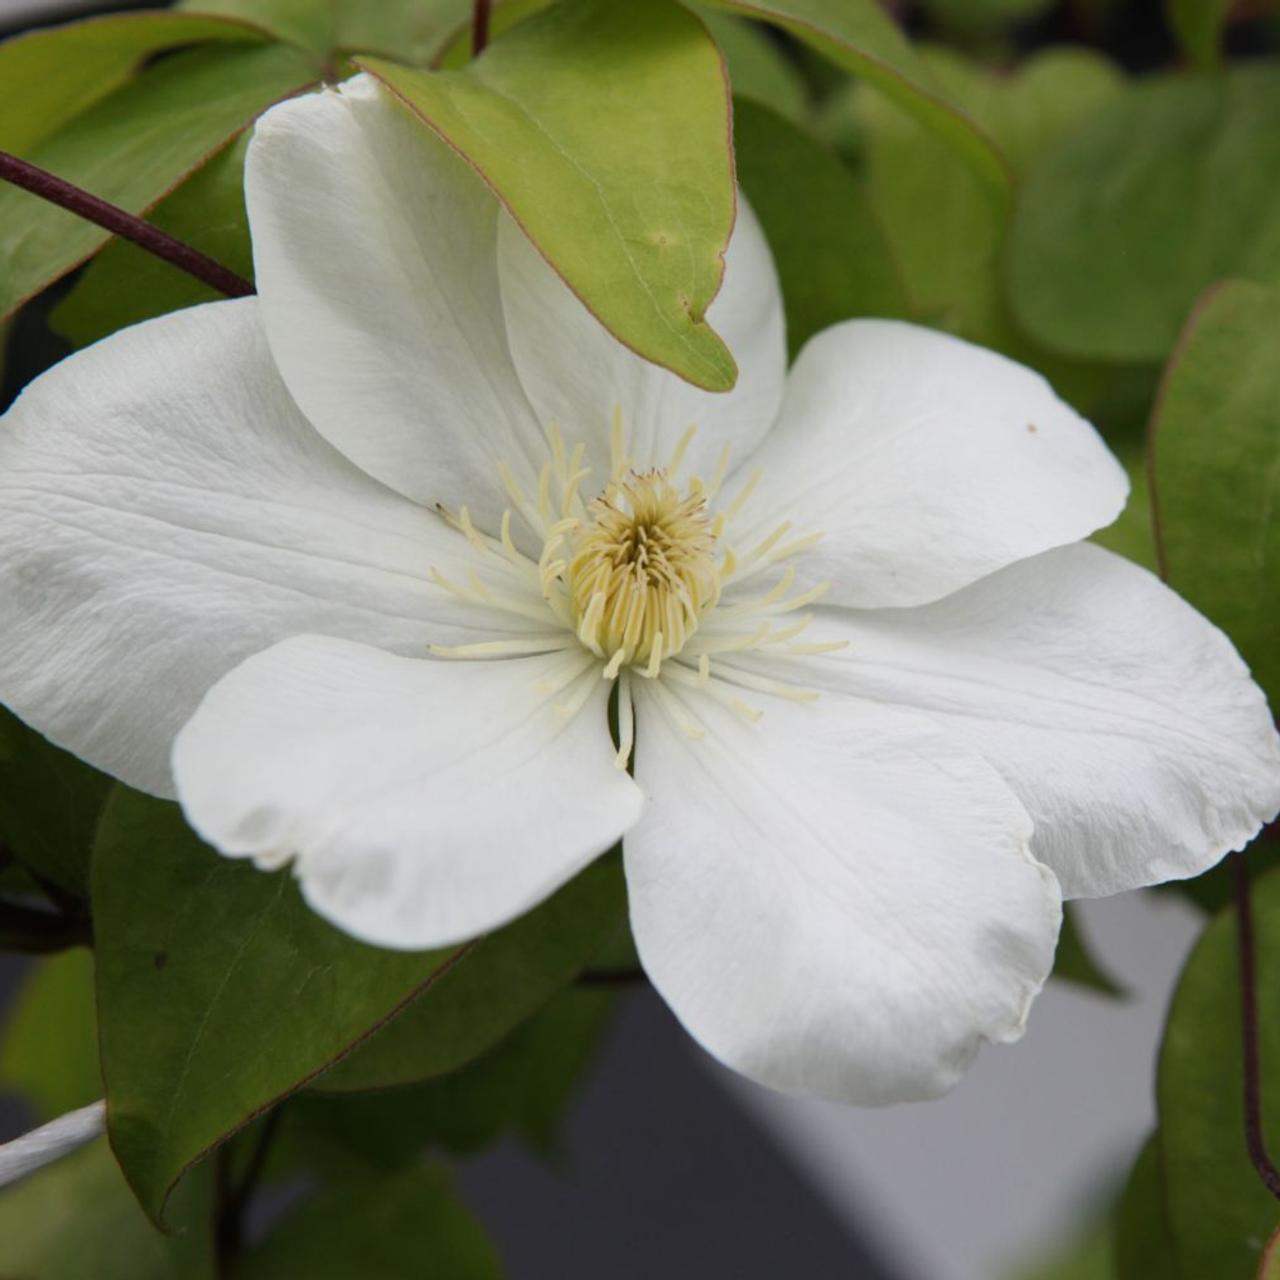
[355, 567]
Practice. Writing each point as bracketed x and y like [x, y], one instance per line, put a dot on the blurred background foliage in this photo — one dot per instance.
[1090, 186]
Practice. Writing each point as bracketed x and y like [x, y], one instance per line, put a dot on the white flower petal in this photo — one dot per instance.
[165, 511]
[424, 802]
[1125, 722]
[836, 900]
[576, 372]
[375, 250]
[52, 1141]
[928, 463]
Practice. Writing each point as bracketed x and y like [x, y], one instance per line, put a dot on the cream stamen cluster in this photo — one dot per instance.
[633, 579]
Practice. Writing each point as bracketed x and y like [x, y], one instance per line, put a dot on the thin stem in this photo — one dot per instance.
[479, 26]
[48, 186]
[1253, 1135]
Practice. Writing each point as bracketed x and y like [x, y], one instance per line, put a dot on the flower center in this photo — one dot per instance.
[643, 570]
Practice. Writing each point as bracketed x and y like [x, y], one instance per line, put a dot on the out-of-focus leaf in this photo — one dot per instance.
[832, 256]
[407, 1224]
[473, 1005]
[49, 805]
[1219, 1212]
[76, 1220]
[860, 36]
[1198, 26]
[1131, 216]
[1216, 443]
[125, 285]
[1075, 963]
[635, 218]
[220, 993]
[944, 232]
[49, 77]
[456, 52]
[133, 148]
[1132, 535]
[411, 31]
[966, 14]
[49, 1052]
[521, 1087]
[1088, 1258]
[758, 70]
[1142, 1248]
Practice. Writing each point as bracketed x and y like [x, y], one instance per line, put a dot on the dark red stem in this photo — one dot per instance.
[480, 26]
[48, 186]
[1253, 1135]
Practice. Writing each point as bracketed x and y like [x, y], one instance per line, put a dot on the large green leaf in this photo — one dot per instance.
[475, 1004]
[1216, 445]
[831, 253]
[49, 805]
[1142, 1247]
[220, 993]
[49, 77]
[133, 148]
[635, 217]
[1220, 1214]
[49, 1052]
[407, 1224]
[860, 36]
[76, 1220]
[1171, 187]
[124, 285]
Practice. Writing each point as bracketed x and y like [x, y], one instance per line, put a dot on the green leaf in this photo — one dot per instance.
[635, 220]
[1165, 190]
[1132, 534]
[964, 15]
[49, 77]
[1075, 963]
[408, 1224]
[521, 1087]
[1142, 1247]
[758, 69]
[1198, 26]
[1219, 1212]
[832, 256]
[77, 1219]
[473, 1005]
[124, 285]
[1216, 442]
[50, 803]
[133, 148]
[220, 992]
[49, 1053]
[457, 50]
[944, 232]
[411, 31]
[1087, 1258]
[859, 35]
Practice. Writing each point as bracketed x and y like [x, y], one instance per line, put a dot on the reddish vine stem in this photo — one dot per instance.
[48, 186]
[480, 26]
[1253, 1135]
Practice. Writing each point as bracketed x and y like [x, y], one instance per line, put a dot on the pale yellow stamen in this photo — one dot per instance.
[643, 571]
